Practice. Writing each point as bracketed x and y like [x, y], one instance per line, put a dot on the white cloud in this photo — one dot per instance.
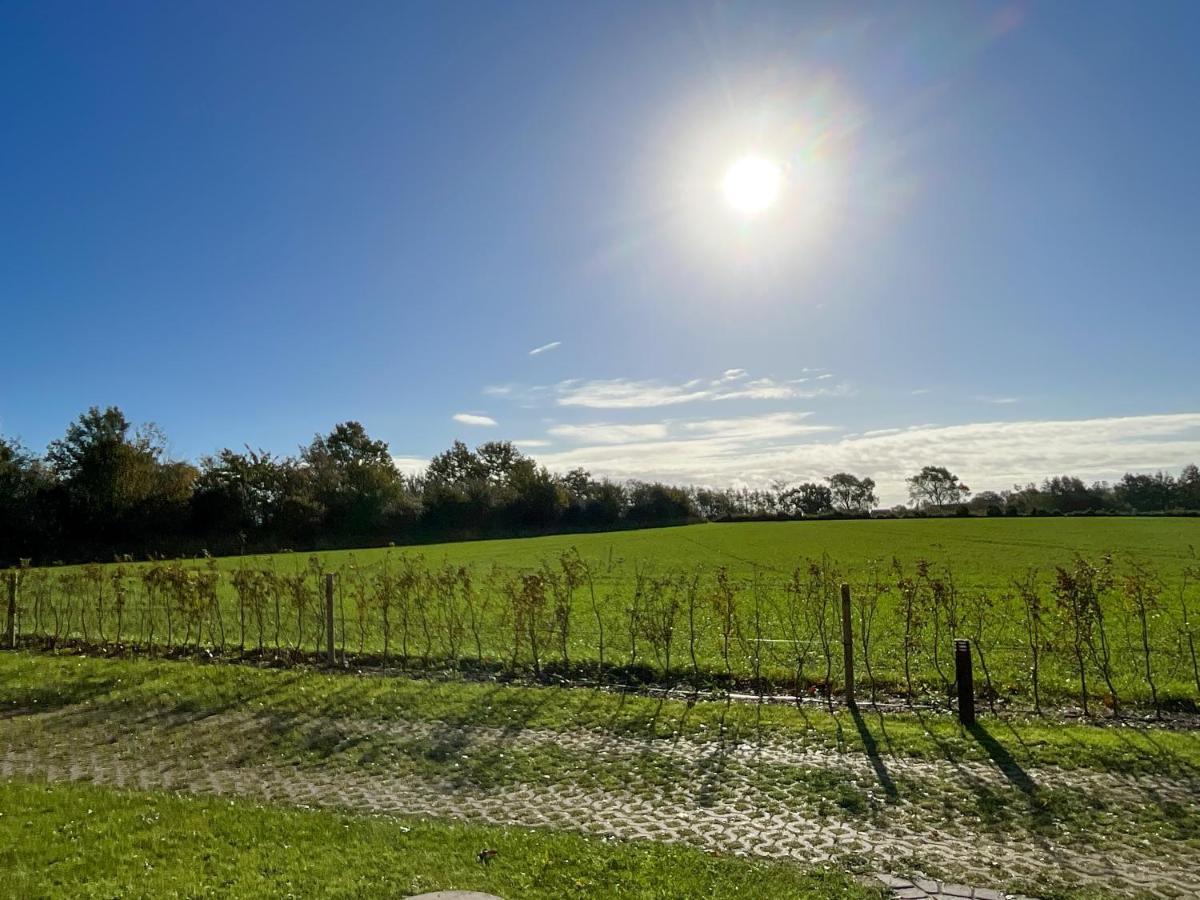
[619, 393]
[531, 443]
[545, 347]
[1000, 401]
[498, 390]
[755, 450]
[624, 393]
[920, 391]
[603, 433]
[410, 465]
[773, 427]
[473, 419]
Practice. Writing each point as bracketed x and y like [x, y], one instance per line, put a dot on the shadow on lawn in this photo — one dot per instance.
[871, 746]
[1004, 760]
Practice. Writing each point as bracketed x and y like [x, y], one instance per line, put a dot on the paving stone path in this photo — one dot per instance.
[747, 798]
[927, 889]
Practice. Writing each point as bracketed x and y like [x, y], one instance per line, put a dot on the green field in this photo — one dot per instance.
[752, 604]
[80, 841]
[983, 552]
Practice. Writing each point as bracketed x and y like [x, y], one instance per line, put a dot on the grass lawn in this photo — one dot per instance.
[1026, 805]
[72, 840]
[33, 681]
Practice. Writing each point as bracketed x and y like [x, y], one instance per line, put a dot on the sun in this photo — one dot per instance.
[752, 184]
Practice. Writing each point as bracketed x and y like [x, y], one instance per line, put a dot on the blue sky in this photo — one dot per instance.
[249, 221]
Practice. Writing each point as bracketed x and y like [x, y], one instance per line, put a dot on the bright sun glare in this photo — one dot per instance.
[752, 184]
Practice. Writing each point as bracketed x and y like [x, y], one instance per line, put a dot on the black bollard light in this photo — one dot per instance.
[966, 681]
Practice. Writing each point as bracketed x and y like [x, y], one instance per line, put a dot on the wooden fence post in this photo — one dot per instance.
[848, 644]
[10, 622]
[966, 681]
[329, 652]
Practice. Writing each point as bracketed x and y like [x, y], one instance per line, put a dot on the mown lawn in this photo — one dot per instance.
[38, 681]
[74, 840]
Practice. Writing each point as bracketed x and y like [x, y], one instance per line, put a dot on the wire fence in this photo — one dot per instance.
[1085, 635]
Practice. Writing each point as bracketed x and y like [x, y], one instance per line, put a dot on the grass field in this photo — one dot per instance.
[68, 840]
[984, 552]
[706, 604]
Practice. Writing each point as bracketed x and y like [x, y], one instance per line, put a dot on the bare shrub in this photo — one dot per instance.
[724, 602]
[912, 606]
[1142, 593]
[660, 614]
[1028, 590]
[866, 603]
[1077, 593]
[798, 616]
[1189, 577]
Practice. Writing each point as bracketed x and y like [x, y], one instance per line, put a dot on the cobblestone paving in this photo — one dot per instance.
[929, 889]
[765, 799]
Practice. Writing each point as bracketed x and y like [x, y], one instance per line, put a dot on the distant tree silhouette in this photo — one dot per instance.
[852, 494]
[936, 487]
[107, 487]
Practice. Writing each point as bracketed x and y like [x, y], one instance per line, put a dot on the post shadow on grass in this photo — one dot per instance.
[712, 766]
[1004, 760]
[872, 749]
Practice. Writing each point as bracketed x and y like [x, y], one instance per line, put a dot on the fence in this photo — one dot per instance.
[1086, 636]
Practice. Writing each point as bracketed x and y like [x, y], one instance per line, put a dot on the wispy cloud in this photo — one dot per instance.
[1000, 401]
[920, 391]
[604, 433]
[531, 443]
[624, 393]
[755, 450]
[771, 427]
[545, 348]
[474, 419]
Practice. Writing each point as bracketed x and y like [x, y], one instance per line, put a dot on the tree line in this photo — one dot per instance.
[107, 487]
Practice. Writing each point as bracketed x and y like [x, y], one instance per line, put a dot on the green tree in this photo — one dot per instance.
[852, 494]
[809, 499]
[354, 480]
[237, 494]
[935, 487]
[457, 467]
[23, 481]
[117, 481]
[1188, 487]
[1146, 493]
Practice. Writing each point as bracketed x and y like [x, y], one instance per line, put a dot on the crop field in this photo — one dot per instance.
[984, 552]
[1093, 612]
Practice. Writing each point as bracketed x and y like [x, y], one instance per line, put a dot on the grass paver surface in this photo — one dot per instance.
[1048, 809]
